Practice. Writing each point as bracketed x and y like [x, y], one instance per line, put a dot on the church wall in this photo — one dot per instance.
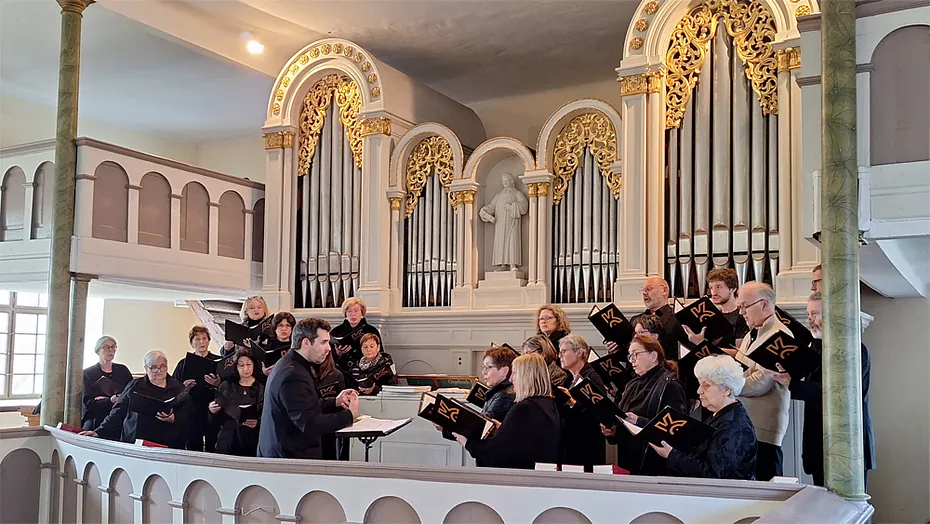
[898, 345]
[23, 121]
[244, 157]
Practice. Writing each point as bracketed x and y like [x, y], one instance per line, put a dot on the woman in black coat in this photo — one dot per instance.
[155, 407]
[238, 435]
[583, 444]
[730, 452]
[654, 387]
[374, 369]
[255, 316]
[553, 322]
[346, 338]
[530, 432]
[103, 383]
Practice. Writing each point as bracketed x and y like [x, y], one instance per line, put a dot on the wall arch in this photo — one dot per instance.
[155, 210]
[69, 492]
[93, 508]
[201, 502]
[20, 477]
[547, 135]
[256, 506]
[121, 504]
[231, 225]
[110, 214]
[12, 204]
[391, 510]
[495, 149]
[155, 508]
[195, 218]
[561, 516]
[43, 201]
[319, 507]
[899, 106]
[472, 513]
[258, 231]
[656, 517]
[414, 137]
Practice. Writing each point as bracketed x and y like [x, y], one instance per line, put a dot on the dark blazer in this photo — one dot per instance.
[499, 401]
[730, 452]
[293, 416]
[583, 444]
[528, 434]
[346, 359]
[672, 332]
[810, 389]
[136, 425]
[233, 438]
[94, 411]
[202, 393]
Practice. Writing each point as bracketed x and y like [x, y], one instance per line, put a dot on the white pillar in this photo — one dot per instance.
[79, 502]
[785, 236]
[214, 228]
[228, 515]
[470, 230]
[105, 495]
[632, 212]
[376, 230]
[83, 205]
[396, 199]
[655, 178]
[138, 506]
[543, 232]
[133, 211]
[48, 475]
[177, 511]
[279, 225]
[247, 255]
[532, 259]
[28, 205]
[62, 479]
[864, 116]
[175, 222]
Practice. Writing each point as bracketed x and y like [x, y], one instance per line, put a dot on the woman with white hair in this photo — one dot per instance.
[155, 407]
[103, 383]
[730, 452]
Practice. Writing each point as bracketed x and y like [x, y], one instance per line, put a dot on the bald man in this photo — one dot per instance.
[766, 400]
[655, 297]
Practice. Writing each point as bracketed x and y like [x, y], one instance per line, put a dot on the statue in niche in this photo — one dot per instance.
[506, 211]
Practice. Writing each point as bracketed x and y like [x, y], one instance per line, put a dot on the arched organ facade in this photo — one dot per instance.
[375, 182]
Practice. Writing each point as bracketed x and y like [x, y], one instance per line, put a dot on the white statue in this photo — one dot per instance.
[505, 212]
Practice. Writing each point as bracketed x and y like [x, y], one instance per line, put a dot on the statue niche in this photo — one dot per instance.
[506, 212]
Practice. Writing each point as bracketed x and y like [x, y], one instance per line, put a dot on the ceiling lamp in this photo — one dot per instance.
[252, 45]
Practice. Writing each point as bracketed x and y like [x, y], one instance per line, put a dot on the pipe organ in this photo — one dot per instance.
[722, 145]
[585, 211]
[430, 261]
[329, 194]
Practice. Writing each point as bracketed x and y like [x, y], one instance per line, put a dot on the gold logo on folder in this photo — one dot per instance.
[780, 348]
[784, 320]
[701, 312]
[703, 352]
[669, 424]
[593, 396]
[611, 319]
[479, 394]
[328, 390]
[610, 368]
[448, 412]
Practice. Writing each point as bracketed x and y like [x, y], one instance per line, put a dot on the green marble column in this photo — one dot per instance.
[59, 278]
[74, 386]
[842, 391]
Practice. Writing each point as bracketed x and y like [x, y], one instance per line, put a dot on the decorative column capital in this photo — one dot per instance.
[74, 6]
[375, 126]
[647, 82]
[468, 196]
[531, 190]
[788, 59]
[279, 140]
[396, 203]
[542, 189]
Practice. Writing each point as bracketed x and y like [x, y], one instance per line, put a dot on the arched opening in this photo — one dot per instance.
[69, 493]
[391, 510]
[231, 226]
[561, 516]
[12, 204]
[110, 214]
[121, 509]
[155, 509]
[43, 201]
[258, 231]
[319, 507]
[472, 513]
[195, 218]
[20, 475]
[93, 507]
[256, 506]
[656, 517]
[155, 211]
[201, 503]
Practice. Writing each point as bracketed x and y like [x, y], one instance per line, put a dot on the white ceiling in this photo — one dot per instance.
[178, 68]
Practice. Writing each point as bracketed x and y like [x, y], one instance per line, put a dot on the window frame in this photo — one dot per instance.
[12, 309]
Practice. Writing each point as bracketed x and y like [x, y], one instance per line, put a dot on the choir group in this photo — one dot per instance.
[286, 387]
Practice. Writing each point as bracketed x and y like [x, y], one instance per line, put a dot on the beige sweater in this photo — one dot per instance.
[765, 400]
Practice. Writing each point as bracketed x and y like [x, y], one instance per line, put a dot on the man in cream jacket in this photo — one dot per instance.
[766, 400]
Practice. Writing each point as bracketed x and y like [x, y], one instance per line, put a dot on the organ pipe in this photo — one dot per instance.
[722, 109]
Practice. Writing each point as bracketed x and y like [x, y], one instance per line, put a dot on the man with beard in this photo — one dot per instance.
[722, 284]
[655, 298]
[809, 389]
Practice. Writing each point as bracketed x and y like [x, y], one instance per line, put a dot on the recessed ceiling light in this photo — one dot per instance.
[255, 47]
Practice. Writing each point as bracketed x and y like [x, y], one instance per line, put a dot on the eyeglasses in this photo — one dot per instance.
[563, 351]
[747, 306]
[158, 369]
[541, 319]
[109, 346]
[489, 368]
[632, 356]
[816, 281]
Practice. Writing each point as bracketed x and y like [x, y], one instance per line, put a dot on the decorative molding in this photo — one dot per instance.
[138, 496]
[287, 518]
[180, 504]
[636, 43]
[215, 204]
[432, 155]
[802, 10]
[395, 203]
[375, 126]
[593, 131]
[29, 147]
[642, 24]
[647, 82]
[542, 189]
[313, 114]
[789, 59]
[74, 6]
[531, 190]
[228, 511]
[137, 188]
[814, 80]
[864, 9]
[85, 177]
[651, 8]
[279, 140]
[177, 196]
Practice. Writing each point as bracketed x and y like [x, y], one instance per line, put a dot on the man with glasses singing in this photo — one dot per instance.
[766, 400]
[655, 298]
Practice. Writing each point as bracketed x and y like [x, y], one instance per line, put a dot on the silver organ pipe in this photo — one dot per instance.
[430, 248]
[596, 230]
[336, 208]
[722, 165]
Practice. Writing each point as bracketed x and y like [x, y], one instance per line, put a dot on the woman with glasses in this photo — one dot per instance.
[540, 344]
[552, 322]
[374, 369]
[155, 407]
[256, 316]
[582, 441]
[347, 337]
[655, 386]
[103, 383]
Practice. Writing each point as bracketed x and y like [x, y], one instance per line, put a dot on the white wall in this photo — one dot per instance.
[899, 344]
[243, 157]
[23, 121]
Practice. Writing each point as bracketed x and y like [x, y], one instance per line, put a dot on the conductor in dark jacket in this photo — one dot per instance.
[294, 418]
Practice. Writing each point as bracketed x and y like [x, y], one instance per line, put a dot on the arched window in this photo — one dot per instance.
[111, 203]
[155, 211]
[12, 204]
[231, 241]
[195, 218]
[43, 201]
[258, 231]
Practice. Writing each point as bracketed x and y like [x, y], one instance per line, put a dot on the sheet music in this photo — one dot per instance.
[632, 428]
[375, 424]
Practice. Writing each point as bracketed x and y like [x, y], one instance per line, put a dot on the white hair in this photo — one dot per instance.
[721, 370]
[152, 356]
[101, 341]
[576, 342]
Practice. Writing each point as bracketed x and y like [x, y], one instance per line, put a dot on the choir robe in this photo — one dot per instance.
[529, 434]
[202, 431]
[144, 426]
[234, 438]
[347, 346]
[94, 411]
[374, 374]
[729, 453]
[583, 444]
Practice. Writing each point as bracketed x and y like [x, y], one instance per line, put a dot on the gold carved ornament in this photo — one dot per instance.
[432, 155]
[591, 130]
[752, 28]
[313, 114]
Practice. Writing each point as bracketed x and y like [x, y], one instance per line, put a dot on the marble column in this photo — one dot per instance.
[75, 382]
[59, 279]
[842, 390]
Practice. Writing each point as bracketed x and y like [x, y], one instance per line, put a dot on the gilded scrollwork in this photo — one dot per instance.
[433, 155]
[752, 28]
[591, 130]
[313, 113]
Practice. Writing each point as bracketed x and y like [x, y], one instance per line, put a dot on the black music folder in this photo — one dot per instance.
[478, 394]
[455, 417]
[248, 412]
[589, 395]
[195, 367]
[798, 331]
[611, 324]
[106, 386]
[782, 350]
[148, 405]
[679, 430]
[236, 333]
[702, 314]
[687, 363]
[611, 369]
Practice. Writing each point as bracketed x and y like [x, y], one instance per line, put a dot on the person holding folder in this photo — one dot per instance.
[730, 452]
[103, 383]
[347, 337]
[237, 408]
[256, 317]
[155, 407]
[530, 432]
[197, 370]
[583, 444]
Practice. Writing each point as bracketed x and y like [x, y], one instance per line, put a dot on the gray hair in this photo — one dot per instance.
[722, 370]
[816, 296]
[152, 356]
[101, 341]
[576, 342]
[760, 290]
